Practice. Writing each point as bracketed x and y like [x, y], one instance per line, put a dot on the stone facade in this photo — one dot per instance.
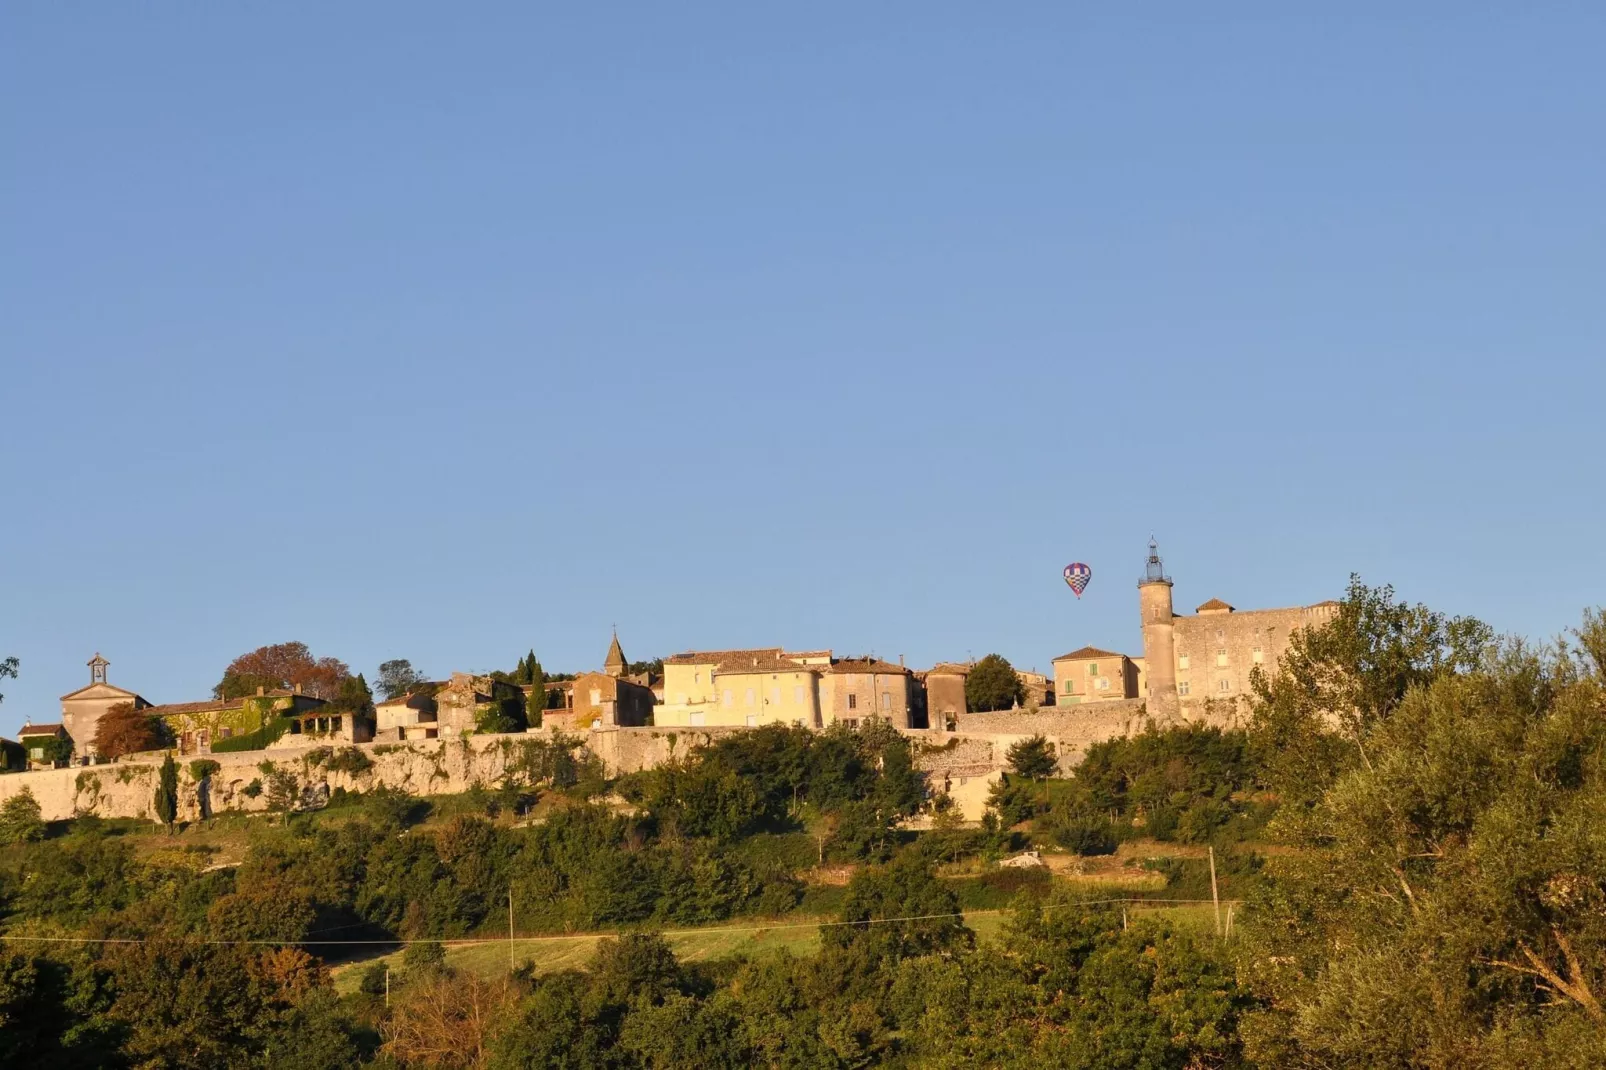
[853, 689]
[603, 699]
[1208, 657]
[1094, 675]
[82, 710]
[945, 692]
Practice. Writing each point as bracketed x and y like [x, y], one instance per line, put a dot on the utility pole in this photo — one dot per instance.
[1215, 896]
[510, 928]
[387, 984]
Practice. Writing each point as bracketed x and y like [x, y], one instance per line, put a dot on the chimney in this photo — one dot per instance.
[900, 661]
[298, 689]
[261, 691]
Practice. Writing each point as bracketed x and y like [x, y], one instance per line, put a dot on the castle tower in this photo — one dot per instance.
[615, 664]
[1159, 636]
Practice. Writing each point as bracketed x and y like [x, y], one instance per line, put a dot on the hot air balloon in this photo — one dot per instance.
[1077, 576]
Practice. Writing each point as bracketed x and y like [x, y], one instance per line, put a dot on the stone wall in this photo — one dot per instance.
[964, 762]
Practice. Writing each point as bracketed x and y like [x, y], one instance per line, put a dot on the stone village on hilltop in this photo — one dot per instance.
[1193, 667]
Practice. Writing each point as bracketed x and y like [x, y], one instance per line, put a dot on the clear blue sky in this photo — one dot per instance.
[448, 331]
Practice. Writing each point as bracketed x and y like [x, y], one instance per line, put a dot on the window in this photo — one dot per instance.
[1093, 668]
[1102, 683]
[36, 753]
[725, 697]
[752, 720]
[1220, 634]
[1223, 684]
[851, 722]
[750, 698]
[225, 732]
[1182, 688]
[853, 702]
[775, 696]
[1257, 656]
[596, 696]
[1182, 661]
[886, 700]
[797, 694]
[1221, 658]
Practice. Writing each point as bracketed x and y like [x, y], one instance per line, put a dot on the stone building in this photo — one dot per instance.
[1036, 688]
[945, 692]
[1094, 675]
[852, 689]
[414, 715]
[36, 740]
[742, 687]
[82, 710]
[461, 700]
[196, 726]
[1207, 656]
[612, 698]
[601, 699]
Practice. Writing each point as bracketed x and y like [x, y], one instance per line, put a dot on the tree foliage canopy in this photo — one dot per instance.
[126, 730]
[282, 665]
[1446, 904]
[992, 684]
[398, 677]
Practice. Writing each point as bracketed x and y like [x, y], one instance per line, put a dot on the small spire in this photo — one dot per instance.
[615, 664]
[97, 669]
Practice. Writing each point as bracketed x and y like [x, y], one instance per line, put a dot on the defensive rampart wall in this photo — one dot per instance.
[968, 758]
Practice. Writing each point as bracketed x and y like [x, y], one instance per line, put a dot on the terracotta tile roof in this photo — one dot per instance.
[41, 730]
[194, 707]
[1329, 602]
[716, 657]
[1214, 603]
[806, 654]
[958, 668]
[1088, 652]
[760, 661]
[867, 665]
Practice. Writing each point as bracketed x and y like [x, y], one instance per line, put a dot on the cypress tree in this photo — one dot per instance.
[167, 792]
[536, 702]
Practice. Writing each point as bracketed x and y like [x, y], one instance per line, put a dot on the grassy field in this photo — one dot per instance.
[552, 953]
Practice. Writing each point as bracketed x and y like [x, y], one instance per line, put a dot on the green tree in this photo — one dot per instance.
[19, 819]
[1033, 758]
[1072, 985]
[1335, 684]
[535, 702]
[398, 677]
[1446, 905]
[8, 668]
[354, 698]
[993, 685]
[167, 792]
[897, 910]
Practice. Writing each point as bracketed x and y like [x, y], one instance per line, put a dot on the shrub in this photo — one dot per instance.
[19, 819]
[1086, 834]
[201, 768]
[268, 733]
[253, 789]
[351, 761]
